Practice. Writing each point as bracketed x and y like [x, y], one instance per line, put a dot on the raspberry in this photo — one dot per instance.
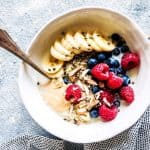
[114, 82]
[127, 94]
[73, 92]
[107, 95]
[108, 114]
[130, 60]
[100, 71]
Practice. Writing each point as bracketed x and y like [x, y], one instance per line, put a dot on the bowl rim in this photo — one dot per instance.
[56, 18]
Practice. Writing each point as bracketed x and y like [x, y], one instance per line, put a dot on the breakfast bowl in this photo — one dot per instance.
[101, 20]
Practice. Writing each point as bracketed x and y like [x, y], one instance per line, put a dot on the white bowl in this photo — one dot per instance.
[105, 20]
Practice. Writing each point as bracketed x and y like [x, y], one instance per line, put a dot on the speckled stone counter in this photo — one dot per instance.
[22, 19]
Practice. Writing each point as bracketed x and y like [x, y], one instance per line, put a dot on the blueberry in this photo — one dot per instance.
[101, 57]
[120, 43]
[116, 51]
[116, 103]
[115, 37]
[113, 62]
[107, 62]
[94, 113]
[95, 89]
[66, 79]
[126, 80]
[116, 63]
[92, 62]
[112, 70]
[124, 49]
[89, 72]
[120, 71]
[108, 54]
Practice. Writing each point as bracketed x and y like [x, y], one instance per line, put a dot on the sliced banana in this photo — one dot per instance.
[59, 56]
[92, 43]
[75, 47]
[51, 65]
[79, 38]
[77, 43]
[59, 47]
[68, 46]
[102, 43]
[57, 74]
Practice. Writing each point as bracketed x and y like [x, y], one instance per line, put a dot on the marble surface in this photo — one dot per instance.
[22, 19]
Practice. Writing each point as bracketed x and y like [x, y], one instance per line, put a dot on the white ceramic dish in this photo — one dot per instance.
[108, 21]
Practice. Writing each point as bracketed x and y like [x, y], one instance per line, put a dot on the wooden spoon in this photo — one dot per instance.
[7, 43]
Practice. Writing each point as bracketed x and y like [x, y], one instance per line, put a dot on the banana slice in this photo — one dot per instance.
[51, 65]
[68, 46]
[92, 43]
[59, 47]
[79, 38]
[69, 40]
[57, 74]
[102, 43]
[59, 56]
[77, 43]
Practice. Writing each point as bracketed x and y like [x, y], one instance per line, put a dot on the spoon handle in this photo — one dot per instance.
[7, 43]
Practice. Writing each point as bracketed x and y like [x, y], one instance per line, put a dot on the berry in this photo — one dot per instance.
[114, 82]
[89, 72]
[73, 92]
[66, 79]
[107, 62]
[126, 80]
[108, 114]
[120, 71]
[108, 54]
[113, 70]
[124, 48]
[116, 103]
[116, 51]
[121, 43]
[113, 62]
[100, 71]
[95, 89]
[127, 94]
[101, 57]
[107, 95]
[130, 60]
[92, 62]
[94, 113]
[115, 37]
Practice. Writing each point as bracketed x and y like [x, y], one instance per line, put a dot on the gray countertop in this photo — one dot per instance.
[22, 19]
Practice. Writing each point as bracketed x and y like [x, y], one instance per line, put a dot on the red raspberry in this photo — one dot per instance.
[130, 60]
[127, 94]
[100, 71]
[108, 114]
[114, 82]
[73, 92]
[107, 95]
